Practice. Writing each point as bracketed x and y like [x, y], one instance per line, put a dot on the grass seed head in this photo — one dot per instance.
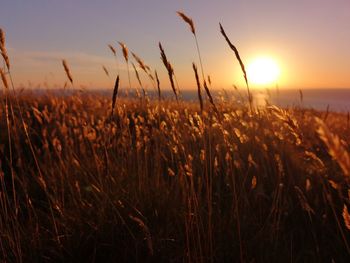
[66, 69]
[142, 65]
[3, 48]
[112, 49]
[115, 93]
[158, 84]
[188, 20]
[238, 57]
[125, 51]
[169, 69]
[2, 38]
[105, 70]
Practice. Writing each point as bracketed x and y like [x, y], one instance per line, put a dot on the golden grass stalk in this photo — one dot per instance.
[346, 217]
[149, 74]
[158, 85]
[3, 49]
[8, 125]
[105, 70]
[327, 113]
[235, 50]
[211, 100]
[301, 95]
[112, 49]
[125, 51]
[142, 65]
[115, 94]
[4, 80]
[145, 231]
[138, 79]
[169, 69]
[303, 201]
[188, 20]
[126, 57]
[145, 68]
[2, 38]
[198, 86]
[335, 147]
[137, 74]
[66, 69]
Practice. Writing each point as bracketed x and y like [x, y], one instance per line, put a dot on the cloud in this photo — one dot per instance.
[39, 66]
[45, 58]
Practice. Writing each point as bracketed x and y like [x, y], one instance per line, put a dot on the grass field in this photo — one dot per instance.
[160, 181]
[86, 178]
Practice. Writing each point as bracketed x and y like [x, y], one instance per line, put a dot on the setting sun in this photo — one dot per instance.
[263, 71]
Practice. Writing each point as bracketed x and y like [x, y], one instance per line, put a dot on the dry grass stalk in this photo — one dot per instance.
[105, 70]
[149, 74]
[137, 74]
[126, 57]
[3, 49]
[145, 68]
[335, 147]
[235, 50]
[188, 20]
[112, 49]
[2, 38]
[327, 113]
[158, 85]
[210, 98]
[346, 217]
[138, 79]
[198, 86]
[145, 231]
[125, 51]
[4, 80]
[303, 201]
[301, 95]
[142, 65]
[115, 93]
[66, 69]
[169, 69]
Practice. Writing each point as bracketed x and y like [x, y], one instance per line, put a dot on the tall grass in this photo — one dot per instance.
[235, 50]
[87, 178]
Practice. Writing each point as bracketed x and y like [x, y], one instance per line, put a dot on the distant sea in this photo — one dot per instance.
[318, 99]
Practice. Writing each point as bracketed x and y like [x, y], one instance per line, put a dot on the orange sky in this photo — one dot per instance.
[309, 40]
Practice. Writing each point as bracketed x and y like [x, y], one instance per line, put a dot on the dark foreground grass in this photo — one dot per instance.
[162, 182]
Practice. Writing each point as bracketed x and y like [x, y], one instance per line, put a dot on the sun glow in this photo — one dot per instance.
[263, 71]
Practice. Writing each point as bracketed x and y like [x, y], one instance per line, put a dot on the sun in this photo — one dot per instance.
[263, 71]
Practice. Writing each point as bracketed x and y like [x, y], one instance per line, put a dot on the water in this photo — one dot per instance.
[319, 99]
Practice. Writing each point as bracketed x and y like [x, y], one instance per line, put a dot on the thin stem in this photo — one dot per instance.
[127, 64]
[200, 57]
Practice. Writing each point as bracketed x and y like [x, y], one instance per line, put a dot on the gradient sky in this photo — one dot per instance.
[310, 39]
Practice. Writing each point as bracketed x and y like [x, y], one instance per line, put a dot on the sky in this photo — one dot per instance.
[309, 40]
